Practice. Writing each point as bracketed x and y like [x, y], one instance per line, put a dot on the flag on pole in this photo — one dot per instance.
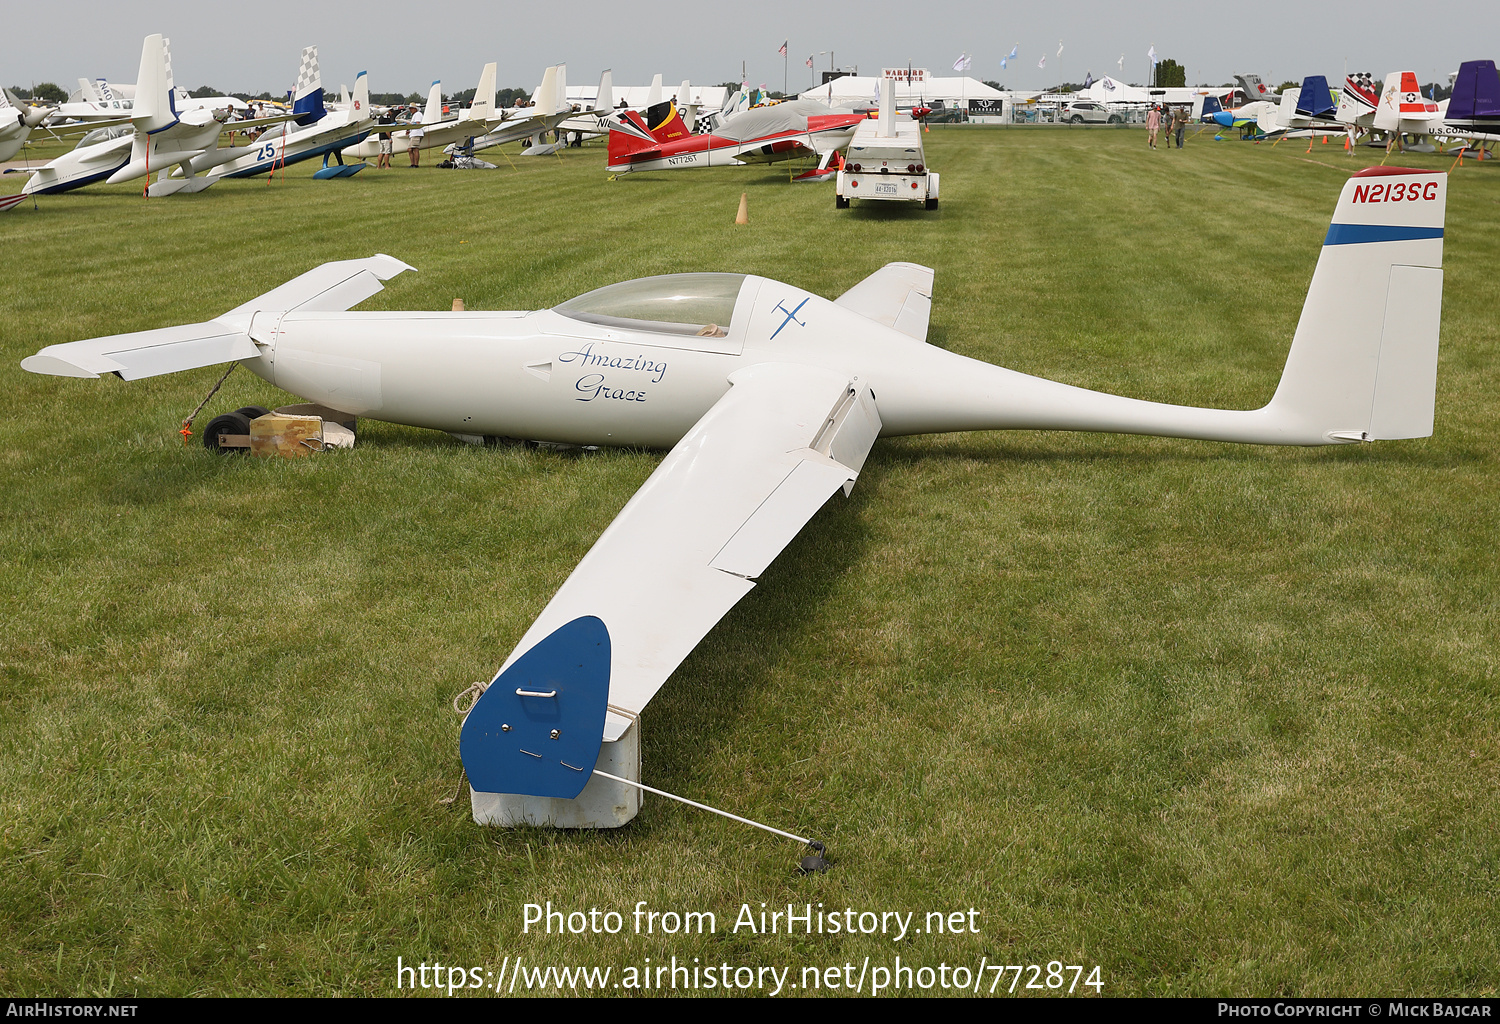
[1121, 62]
[782, 50]
[1043, 62]
[809, 61]
[963, 62]
[1004, 61]
[1059, 47]
[1151, 54]
[1088, 79]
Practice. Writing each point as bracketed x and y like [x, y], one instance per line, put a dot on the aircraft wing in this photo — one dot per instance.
[722, 504]
[513, 129]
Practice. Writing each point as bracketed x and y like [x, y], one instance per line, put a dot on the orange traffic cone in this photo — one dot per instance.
[743, 217]
[1325, 140]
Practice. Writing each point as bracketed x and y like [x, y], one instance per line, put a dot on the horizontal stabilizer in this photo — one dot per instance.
[898, 295]
[333, 287]
[145, 353]
[330, 288]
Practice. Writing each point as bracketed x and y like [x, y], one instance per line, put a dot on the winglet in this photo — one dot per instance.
[538, 729]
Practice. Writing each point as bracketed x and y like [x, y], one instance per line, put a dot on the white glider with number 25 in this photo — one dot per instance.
[769, 398]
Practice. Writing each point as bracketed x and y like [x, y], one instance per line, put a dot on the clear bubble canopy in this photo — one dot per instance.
[700, 304]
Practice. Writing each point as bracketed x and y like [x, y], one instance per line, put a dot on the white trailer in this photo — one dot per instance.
[885, 161]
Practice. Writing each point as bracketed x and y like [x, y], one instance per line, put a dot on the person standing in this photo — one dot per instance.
[414, 138]
[1153, 125]
[1179, 122]
[386, 145]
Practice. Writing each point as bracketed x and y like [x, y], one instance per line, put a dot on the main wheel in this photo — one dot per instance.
[219, 427]
[251, 412]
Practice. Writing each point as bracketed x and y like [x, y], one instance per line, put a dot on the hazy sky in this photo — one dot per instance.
[404, 46]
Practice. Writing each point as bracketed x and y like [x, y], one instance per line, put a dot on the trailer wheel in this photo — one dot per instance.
[251, 412]
[839, 202]
[932, 204]
[219, 426]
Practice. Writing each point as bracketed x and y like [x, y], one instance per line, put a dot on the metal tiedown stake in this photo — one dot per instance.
[537, 730]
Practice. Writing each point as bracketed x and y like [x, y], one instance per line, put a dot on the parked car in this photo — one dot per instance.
[1087, 111]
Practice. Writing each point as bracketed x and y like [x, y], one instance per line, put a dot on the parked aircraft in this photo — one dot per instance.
[770, 398]
[662, 140]
[16, 123]
[1403, 110]
[1474, 107]
[549, 111]
[159, 137]
[1246, 118]
[480, 118]
[314, 131]
[1303, 112]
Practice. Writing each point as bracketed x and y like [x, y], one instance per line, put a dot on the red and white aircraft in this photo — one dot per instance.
[759, 135]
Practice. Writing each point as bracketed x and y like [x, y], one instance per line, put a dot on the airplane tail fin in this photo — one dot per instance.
[1402, 100]
[434, 112]
[544, 99]
[359, 103]
[664, 122]
[653, 95]
[628, 135]
[1476, 93]
[1359, 97]
[154, 107]
[483, 106]
[604, 99]
[1284, 113]
[1211, 106]
[1315, 99]
[307, 100]
[1363, 363]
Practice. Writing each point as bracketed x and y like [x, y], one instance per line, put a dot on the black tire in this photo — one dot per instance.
[839, 202]
[229, 423]
[1076, 119]
[251, 412]
[931, 204]
[1114, 118]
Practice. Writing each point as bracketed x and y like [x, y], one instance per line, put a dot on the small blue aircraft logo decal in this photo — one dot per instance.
[791, 315]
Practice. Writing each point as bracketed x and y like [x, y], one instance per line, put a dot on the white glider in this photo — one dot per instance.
[770, 399]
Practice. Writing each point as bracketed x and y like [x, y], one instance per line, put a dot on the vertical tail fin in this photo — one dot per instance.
[307, 100]
[1286, 111]
[562, 89]
[1363, 363]
[1476, 93]
[154, 107]
[887, 107]
[653, 95]
[1315, 99]
[544, 99]
[604, 99]
[1402, 100]
[483, 106]
[359, 103]
[628, 135]
[434, 112]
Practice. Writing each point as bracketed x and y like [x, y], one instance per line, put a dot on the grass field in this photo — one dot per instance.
[1217, 719]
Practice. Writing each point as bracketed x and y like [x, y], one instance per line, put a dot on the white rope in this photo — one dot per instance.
[703, 807]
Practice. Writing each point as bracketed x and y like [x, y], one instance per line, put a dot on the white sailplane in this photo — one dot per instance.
[769, 399]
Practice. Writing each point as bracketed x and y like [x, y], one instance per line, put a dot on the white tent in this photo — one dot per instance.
[864, 91]
[1107, 90]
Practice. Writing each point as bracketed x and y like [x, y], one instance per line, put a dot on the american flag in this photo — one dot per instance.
[782, 51]
[809, 62]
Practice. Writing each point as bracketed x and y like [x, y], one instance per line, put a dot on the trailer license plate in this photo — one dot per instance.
[885, 190]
